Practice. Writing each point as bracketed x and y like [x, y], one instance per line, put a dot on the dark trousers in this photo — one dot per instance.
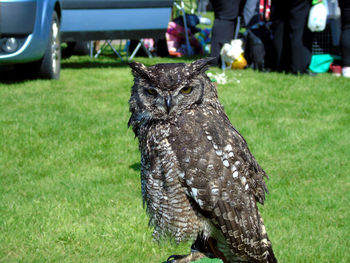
[222, 32]
[225, 11]
[291, 38]
[345, 35]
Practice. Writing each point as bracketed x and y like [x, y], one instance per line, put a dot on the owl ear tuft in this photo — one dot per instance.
[201, 65]
[138, 69]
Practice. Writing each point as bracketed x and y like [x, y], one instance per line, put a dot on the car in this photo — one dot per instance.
[31, 31]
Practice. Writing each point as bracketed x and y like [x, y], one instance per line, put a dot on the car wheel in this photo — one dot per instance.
[50, 64]
[82, 48]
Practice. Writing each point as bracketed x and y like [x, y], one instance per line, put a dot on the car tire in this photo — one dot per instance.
[79, 48]
[50, 64]
[82, 48]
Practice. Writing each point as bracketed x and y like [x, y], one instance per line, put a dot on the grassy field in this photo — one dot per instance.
[69, 166]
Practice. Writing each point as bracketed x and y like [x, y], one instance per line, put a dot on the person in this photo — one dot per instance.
[292, 40]
[345, 36]
[202, 6]
[225, 13]
[259, 50]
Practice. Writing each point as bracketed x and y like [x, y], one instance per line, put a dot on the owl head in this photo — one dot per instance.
[163, 91]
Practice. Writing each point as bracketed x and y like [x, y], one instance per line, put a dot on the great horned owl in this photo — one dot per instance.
[199, 180]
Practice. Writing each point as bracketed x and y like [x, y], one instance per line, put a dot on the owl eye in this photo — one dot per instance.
[151, 91]
[186, 90]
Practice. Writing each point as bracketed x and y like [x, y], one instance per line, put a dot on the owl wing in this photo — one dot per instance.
[225, 181]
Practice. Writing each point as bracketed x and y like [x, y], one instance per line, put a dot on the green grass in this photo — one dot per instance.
[69, 166]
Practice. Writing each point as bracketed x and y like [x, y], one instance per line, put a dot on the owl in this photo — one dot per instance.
[199, 181]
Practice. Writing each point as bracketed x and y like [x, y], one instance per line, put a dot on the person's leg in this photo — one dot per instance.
[300, 36]
[222, 33]
[225, 11]
[278, 30]
[345, 35]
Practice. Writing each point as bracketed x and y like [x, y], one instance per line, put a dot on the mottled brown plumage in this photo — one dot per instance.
[198, 177]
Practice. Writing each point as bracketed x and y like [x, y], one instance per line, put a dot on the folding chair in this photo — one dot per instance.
[105, 44]
[139, 45]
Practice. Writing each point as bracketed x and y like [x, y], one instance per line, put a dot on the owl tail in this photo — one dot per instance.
[271, 257]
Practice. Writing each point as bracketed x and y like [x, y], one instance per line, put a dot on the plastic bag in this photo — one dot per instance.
[320, 63]
[232, 55]
[317, 17]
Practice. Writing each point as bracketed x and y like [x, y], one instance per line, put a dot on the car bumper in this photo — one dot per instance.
[18, 20]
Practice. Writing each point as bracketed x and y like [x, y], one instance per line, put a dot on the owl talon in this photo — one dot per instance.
[185, 258]
[173, 258]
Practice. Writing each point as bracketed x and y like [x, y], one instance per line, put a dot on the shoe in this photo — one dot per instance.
[335, 69]
[346, 72]
[309, 73]
[204, 20]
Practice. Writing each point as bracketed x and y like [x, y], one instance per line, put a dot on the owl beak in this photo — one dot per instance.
[168, 103]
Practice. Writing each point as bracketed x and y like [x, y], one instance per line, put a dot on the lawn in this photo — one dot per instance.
[69, 166]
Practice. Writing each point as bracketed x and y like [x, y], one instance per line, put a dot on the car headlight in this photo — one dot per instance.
[10, 45]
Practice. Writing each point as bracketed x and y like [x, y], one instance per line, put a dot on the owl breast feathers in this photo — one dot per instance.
[198, 177]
